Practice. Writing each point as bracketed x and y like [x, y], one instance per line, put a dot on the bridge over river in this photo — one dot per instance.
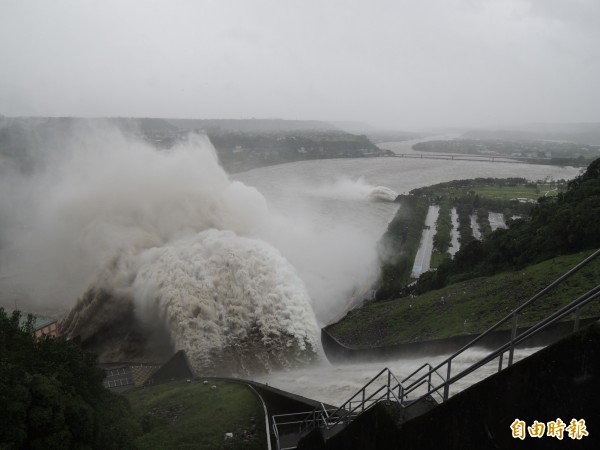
[480, 158]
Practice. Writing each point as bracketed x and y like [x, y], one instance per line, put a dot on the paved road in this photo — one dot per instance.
[423, 258]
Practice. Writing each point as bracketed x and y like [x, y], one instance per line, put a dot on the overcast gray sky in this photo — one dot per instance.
[398, 63]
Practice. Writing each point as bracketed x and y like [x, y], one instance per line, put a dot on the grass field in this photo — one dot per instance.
[480, 302]
[519, 191]
[508, 192]
[497, 191]
[181, 415]
[437, 259]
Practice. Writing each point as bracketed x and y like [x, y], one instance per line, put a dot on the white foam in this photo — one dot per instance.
[214, 288]
[167, 229]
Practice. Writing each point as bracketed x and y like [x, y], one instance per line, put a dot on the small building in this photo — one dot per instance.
[523, 200]
[42, 326]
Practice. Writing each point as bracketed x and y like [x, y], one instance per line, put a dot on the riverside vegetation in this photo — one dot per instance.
[51, 396]
[479, 196]
[489, 278]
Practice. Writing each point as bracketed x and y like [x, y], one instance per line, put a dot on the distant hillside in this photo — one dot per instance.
[243, 151]
[240, 144]
[581, 133]
[250, 125]
[530, 151]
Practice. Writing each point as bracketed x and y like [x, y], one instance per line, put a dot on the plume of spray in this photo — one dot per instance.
[329, 232]
[345, 188]
[157, 239]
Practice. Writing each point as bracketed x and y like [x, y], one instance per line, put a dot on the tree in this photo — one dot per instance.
[52, 396]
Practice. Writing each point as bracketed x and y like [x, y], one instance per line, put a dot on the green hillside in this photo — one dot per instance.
[195, 415]
[481, 302]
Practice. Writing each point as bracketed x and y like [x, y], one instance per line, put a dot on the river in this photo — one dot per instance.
[338, 227]
[330, 196]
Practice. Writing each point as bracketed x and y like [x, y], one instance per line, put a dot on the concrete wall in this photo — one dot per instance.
[337, 352]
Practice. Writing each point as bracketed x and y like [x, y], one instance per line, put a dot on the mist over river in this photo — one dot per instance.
[328, 194]
[329, 197]
[142, 245]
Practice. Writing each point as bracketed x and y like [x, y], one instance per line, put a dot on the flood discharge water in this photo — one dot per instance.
[136, 239]
[335, 384]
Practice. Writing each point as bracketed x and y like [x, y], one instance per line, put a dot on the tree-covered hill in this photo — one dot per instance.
[26, 142]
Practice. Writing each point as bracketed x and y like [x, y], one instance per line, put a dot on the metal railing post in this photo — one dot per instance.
[447, 383]
[500, 361]
[388, 384]
[513, 335]
[276, 432]
[363, 400]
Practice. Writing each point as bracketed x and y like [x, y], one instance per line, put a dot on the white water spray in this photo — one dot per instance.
[166, 237]
[345, 188]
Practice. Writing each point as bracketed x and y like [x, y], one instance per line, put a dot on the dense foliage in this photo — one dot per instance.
[483, 219]
[51, 394]
[465, 231]
[399, 245]
[443, 235]
[467, 184]
[567, 223]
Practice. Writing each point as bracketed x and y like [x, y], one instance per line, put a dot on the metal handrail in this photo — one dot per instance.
[421, 380]
[576, 304]
[362, 390]
[351, 411]
[581, 301]
[347, 410]
[431, 390]
[297, 421]
[417, 371]
[511, 315]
